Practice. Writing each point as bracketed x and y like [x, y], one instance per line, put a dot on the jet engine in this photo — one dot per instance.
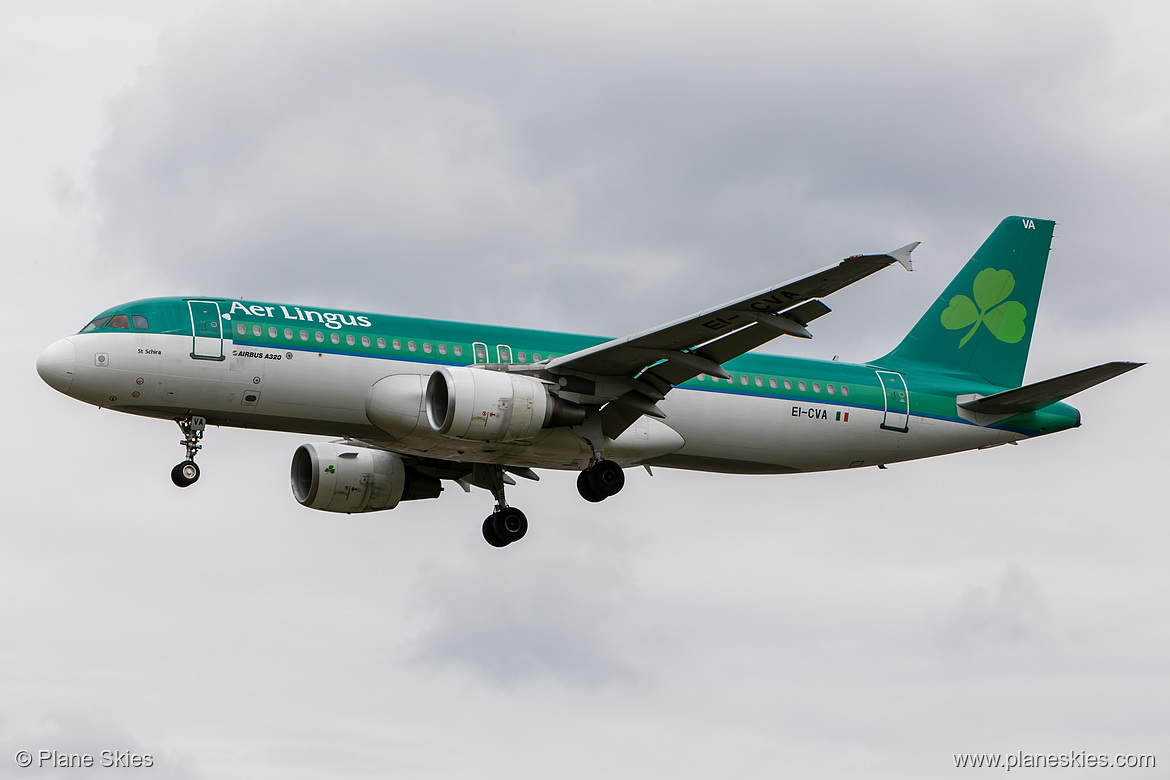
[486, 405]
[348, 478]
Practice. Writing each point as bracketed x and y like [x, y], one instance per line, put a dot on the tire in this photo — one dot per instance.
[606, 478]
[586, 490]
[489, 532]
[185, 474]
[509, 524]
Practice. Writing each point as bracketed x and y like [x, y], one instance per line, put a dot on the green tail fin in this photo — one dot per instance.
[981, 326]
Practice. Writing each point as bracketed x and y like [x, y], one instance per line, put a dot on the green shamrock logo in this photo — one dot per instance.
[330, 470]
[1004, 320]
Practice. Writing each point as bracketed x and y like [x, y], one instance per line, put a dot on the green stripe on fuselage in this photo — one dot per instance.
[931, 395]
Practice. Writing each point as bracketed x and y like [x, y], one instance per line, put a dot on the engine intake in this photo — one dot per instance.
[347, 478]
[486, 405]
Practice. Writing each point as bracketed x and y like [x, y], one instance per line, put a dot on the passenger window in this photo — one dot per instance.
[365, 341]
[787, 384]
[240, 328]
[458, 351]
[442, 349]
[411, 346]
[801, 386]
[772, 383]
[759, 382]
[119, 321]
[271, 332]
[427, 347]
[349, 339]
[335, 338]
[288, 333]
[831, 389]
[397, 344]
[743, 379]
[255, 330]
[319, 336]
[139, 322]
[535, 357]
[522, 357]
[844, 390]
[304, 335]
[816, 387]
[381, 343]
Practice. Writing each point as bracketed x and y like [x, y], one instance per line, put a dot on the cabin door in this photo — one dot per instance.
[206, 330]
[897, 399]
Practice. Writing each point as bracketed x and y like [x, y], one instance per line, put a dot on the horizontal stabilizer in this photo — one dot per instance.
[1035, 396]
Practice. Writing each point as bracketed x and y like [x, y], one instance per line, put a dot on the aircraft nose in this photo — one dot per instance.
[56, 365]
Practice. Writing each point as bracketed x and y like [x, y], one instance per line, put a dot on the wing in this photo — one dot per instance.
[629, 375]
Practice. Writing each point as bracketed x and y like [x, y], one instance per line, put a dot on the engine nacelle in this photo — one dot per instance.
[395, 404]
[486, 405]
[347, 478]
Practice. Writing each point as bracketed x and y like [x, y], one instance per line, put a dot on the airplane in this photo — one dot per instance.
[415, 402]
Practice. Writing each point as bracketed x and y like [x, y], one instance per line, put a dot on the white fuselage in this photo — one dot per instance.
[326, 393]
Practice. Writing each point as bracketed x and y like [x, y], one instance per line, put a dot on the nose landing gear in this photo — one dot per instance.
[187, 472]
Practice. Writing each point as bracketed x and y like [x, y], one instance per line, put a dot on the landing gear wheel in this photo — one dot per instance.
[187, 472]
[510, 524]
[605, 477]
[507, 524]
[489, 532]
[184, 474]
[586, 490]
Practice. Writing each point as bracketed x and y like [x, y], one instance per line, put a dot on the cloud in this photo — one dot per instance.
[567, 617]
[600, 168]
[568, 167]
[1014, 615]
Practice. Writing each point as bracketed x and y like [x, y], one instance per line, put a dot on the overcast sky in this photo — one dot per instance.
[597, 167]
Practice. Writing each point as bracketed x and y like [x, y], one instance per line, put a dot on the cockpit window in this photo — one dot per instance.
[119, 321]
[139, 321]
[100, 322]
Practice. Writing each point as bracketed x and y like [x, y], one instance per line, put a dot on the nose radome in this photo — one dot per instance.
[56, 364]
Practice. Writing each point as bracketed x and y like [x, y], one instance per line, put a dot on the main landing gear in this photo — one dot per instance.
[600, 480]
[506, 524]
[187, 472]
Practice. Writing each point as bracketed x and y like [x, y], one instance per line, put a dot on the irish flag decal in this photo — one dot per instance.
[841, 418]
